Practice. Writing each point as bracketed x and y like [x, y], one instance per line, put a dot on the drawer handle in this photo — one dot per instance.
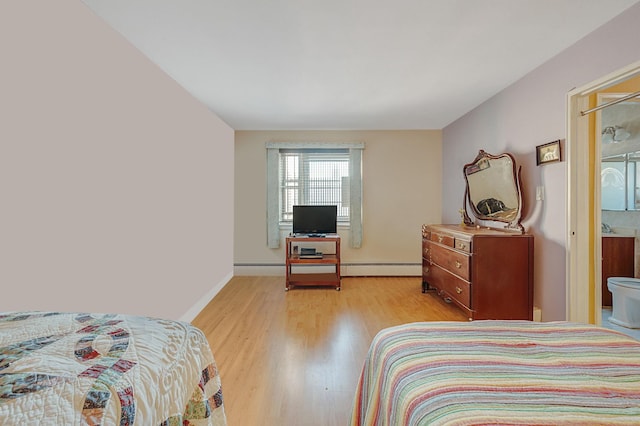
[458, 290]
[440, 238]
[426, 269]
[458, 264]
[463, 246]
[447, 299]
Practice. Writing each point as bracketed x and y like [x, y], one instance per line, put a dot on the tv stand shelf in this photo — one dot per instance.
[331, 279]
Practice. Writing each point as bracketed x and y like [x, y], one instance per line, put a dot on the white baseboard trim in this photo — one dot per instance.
[348, 269]
[252, 270]
[382, 270]
[204, 300]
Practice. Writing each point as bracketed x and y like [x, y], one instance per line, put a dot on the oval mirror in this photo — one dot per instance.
[493, 190]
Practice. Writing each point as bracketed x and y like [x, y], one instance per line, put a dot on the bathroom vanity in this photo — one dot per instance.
[617, 261]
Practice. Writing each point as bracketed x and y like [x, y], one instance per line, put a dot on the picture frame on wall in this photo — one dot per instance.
[548, 153]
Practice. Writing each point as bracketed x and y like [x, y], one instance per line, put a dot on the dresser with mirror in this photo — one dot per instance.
[484, 264]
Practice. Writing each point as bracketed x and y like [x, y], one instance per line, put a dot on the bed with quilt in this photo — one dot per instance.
[499, 372]
[102, 369]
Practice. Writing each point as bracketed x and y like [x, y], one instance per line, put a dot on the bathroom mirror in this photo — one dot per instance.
[620, 178]
[620, 151]
[493, 191]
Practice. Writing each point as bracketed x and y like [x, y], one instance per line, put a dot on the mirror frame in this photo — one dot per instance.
[513, 224]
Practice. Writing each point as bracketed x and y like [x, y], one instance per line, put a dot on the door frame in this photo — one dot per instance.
[583, 205]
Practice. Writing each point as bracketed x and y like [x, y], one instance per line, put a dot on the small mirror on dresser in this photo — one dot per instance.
[492, 192]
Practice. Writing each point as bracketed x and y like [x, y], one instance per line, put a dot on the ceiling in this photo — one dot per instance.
[350, 64]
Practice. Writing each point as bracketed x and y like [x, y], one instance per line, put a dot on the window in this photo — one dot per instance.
[314, 174]
[314, 177]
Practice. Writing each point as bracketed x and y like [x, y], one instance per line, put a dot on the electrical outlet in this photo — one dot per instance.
[539, 193]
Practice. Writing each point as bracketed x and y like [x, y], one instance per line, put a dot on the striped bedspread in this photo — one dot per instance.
[499, 372]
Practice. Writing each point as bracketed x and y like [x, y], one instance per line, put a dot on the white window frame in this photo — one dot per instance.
[273, 187]
[298, 186]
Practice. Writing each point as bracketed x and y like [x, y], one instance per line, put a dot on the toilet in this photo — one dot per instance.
[626, 301]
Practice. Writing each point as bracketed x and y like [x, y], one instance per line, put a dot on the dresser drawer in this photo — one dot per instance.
[453, 286]
[443, 239]
[463, 244]
[426, 271]
[428, 274]
[426, 248]
[451, 260]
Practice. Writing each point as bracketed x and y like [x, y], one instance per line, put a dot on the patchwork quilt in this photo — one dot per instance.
[105, 369]
[499, 373]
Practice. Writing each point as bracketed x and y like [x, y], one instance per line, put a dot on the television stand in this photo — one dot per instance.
[331, 279]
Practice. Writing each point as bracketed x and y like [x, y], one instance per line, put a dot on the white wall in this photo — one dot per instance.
[401, 191]
[114, 181]
[531, 112]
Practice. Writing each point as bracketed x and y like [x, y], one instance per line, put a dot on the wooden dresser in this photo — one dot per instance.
[488, 273]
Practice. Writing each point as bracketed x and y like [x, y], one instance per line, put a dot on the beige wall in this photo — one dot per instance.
[401, 190]
[114, 180]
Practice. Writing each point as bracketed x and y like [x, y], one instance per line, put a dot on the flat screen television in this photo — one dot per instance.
[318, 220]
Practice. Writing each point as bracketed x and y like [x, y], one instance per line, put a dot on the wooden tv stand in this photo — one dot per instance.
[331, 279]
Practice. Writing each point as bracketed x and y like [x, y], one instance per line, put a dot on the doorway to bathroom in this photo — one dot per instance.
[617, 133]
[600, 152]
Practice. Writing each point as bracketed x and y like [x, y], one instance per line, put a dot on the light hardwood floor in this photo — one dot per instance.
[294, 357]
